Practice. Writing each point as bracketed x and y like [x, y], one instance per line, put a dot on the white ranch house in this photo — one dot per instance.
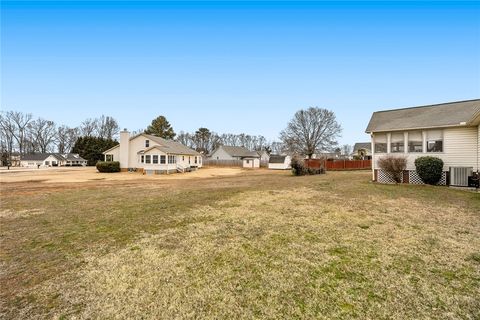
[449, 131]
[152, 154]
[44, 160]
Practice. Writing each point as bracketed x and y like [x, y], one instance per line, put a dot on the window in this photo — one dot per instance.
[183, 158]
[172, 159]
[142, 159]
[415, 141]
[380, 143]
[109, 157]
[147, 143]
[196, 161]
[155, 159]
[397, 142]
[162, 160]
[147, 158]
[435, 141]
[248, 161]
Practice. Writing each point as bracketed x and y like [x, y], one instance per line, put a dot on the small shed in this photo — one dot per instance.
[251, 160]
[278, 162]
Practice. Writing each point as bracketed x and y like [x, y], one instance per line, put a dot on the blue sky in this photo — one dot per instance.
[235, 66]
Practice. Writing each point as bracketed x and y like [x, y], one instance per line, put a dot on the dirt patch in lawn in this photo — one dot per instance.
[78, 175]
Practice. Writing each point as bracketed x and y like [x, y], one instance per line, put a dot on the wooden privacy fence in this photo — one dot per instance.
[341, 164]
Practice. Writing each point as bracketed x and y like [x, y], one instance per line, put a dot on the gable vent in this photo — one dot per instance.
[459, 176]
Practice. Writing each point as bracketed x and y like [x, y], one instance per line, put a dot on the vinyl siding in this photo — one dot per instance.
[478, 148]
[222, 155]
[461, 147]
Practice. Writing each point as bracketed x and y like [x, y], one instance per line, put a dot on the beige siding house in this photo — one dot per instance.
[449, 131]
[152, 154]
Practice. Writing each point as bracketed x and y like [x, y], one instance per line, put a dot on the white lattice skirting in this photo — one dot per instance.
[414, 178]
[385, 177]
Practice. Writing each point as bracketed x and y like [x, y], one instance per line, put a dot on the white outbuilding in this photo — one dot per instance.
[251, 162]
[277, 162]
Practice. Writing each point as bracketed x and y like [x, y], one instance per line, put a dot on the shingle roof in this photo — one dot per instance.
[239, 152]
[58, 156]
[35, 156]
[167, 146]
[362, 145]
[276, 159]
[170, 146]
[431, 116]
[72, 157]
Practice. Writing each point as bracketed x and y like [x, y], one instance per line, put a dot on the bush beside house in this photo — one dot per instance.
[429, 169]
[394, 166]
[108, 166]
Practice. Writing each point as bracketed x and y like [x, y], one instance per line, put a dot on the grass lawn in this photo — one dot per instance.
[266, 245]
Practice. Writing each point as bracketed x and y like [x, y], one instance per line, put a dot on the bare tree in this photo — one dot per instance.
[107, 127]
[20, 122]
[7, 128]
[89, 127]
[66, 138]
[43, 133]
[311, 130]
[346, 150]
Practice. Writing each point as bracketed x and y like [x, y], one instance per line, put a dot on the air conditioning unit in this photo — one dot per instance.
[459, 176]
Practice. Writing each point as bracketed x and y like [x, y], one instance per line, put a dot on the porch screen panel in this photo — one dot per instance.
[380, 143]
[397, 142]
[415, 141]
[435, 141]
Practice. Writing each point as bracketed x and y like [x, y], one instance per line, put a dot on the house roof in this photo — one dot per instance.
[58, 156]
[277, 159]
[431, 116]
[164, 145]
[362, 145]
[72, 157]
[170, 146]
[239, 152]
[37, 156]
[251, 154]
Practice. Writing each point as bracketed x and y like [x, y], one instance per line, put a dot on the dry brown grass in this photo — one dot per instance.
[261, 246]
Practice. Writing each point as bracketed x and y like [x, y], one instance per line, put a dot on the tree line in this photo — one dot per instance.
[310, 131]
[206, 141]
[22, 133]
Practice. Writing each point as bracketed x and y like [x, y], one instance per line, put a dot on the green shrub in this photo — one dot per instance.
[108, 166]
[300, 169]
[298, 166]
[429, 169]
[394, 166]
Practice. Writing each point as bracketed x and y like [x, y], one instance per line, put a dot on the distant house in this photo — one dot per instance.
[152, 154]
[264, 156]
[363, 150]
[279, 162]
[449, 131]
[231, 153]
[36, 160]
